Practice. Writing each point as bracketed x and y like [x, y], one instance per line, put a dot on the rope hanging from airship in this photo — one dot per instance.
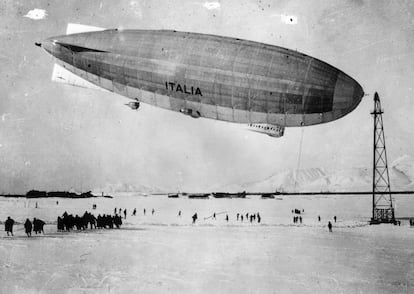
[299, 157]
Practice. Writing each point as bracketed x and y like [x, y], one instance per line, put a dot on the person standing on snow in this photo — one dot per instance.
[28, 227]
[8, 226]
[330, 227]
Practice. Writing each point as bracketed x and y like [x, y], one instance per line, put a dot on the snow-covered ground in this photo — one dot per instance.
[165, 253]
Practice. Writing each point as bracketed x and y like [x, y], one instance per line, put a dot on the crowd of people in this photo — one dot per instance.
[68, 222]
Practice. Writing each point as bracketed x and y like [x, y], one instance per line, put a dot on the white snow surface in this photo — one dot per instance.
[165, 253]
[289, 19]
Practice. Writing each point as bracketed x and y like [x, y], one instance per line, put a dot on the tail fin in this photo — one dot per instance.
[75, 28]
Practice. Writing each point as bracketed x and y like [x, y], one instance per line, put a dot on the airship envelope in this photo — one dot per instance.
[265, 86]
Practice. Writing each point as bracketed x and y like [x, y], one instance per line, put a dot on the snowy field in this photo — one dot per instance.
[165, 253]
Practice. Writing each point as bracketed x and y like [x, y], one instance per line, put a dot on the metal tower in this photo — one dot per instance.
[382, 209]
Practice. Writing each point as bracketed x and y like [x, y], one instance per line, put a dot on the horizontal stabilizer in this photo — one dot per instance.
[75, 28]
[62, 75]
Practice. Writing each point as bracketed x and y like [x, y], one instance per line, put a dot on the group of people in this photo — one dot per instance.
[319, 218]
[69, 222]
[35, 226]
[125, 212]
[134, 212]
[298, 211]
[152, 211]
[297, 219]
[252, 216]
[239, 216]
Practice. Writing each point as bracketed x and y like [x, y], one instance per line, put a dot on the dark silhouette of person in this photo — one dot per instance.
[8, 226]
[258, 218]
[153, 210]
[335, 218]
[241, 217]
[125, 213]
[134, 212]
[237, 216]
[38, 226]
[179, 213]
[300, 219]
[117, 221]
[227, 217]
[28, 227]
[144, 211]
[214, 215]
[319, 218]
[194, 218]
[60, 226]
[330, 226]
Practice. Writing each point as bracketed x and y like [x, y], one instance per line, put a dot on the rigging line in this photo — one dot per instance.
[299, 157]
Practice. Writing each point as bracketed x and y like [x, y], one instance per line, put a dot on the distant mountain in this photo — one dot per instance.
[312, 179]
[402, 171]
[121, 188]
[321, 179]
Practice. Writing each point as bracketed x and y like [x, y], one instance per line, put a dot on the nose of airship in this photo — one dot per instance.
[347, 95]
[47, 45]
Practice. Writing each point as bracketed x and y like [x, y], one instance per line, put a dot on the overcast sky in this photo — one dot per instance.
[54, 136]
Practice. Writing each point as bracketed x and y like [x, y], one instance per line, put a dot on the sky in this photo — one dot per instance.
[59, 137]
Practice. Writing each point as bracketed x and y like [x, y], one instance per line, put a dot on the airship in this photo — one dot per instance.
[264, 86]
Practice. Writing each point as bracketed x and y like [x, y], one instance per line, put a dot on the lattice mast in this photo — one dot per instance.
[382, 209]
